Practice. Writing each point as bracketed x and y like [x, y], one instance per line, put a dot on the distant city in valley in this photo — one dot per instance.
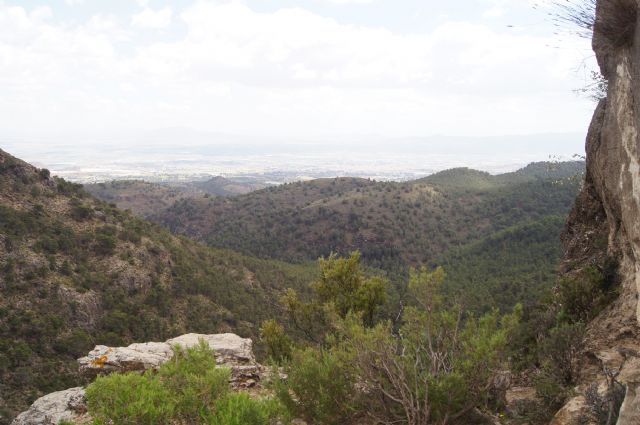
[166, 157]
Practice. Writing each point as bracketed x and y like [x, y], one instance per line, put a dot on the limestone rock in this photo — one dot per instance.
[103, 359]
[228, 348]
[630, 410]
[68, 405]
[570, 412]
[231, 351]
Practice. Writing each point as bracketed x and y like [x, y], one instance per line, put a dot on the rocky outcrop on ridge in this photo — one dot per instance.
[230, 351]
[68, 405]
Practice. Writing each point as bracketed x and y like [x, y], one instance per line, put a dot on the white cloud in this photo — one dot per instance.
[74, 2]
[155, 19]
[289, 71]
[493, 12]
[349, 1]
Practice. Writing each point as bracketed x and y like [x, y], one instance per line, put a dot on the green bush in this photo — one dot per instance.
[130, 399]
[189, 389]
[44, 173]
[277, 342]
[559, 351]
[240, 409]
[584, 295]
[194, 381]
[319, 387]
[550, 389]
[105, 245]
[434, 369]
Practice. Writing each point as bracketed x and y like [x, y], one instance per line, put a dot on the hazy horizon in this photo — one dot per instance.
[285, 70]
[155, 156]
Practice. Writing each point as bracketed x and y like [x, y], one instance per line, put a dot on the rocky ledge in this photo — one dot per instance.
[230, 351]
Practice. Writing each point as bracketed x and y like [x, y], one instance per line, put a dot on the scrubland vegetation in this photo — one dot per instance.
[412, 331]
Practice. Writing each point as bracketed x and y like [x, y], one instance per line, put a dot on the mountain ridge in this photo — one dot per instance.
[413, 222]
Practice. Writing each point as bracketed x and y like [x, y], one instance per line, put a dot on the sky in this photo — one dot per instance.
[289, 69]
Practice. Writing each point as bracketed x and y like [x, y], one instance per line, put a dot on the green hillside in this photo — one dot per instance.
[516, 264]
[392, 224]
[75, 271]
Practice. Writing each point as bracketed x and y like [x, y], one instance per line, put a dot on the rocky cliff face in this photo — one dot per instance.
[605, 222]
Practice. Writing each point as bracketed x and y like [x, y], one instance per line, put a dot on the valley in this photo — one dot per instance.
[78, 270]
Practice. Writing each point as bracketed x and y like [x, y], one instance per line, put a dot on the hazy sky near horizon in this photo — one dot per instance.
[289, 68]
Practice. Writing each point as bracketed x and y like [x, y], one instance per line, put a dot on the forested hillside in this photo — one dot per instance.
[390, 223]
[513, 265]
[75, 272]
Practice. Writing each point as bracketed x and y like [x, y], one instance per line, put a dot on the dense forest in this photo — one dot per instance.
[498, 236]
[390, 223]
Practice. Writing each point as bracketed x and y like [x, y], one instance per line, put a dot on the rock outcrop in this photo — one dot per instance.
[68, 405]
[103, 359]
[230, 351]
[228, 348]
[605, 222]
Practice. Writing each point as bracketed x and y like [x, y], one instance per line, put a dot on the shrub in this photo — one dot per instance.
[558, 354]
[584, 295]
[189, 389]
[319, 387]
[130, 398]
[80, 212]
[603, 409]
[559, 351]
[550, 389]
[105, 241]
[76, 343]
[68, 188]
[240, 409]
[195, 382]
[277, 342]
[44, 174]
[434, 369]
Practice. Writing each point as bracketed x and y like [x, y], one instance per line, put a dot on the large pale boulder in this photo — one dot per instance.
[230, 351]
[228, 348]
[103, 359]
[68, 405]
[570, 412]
